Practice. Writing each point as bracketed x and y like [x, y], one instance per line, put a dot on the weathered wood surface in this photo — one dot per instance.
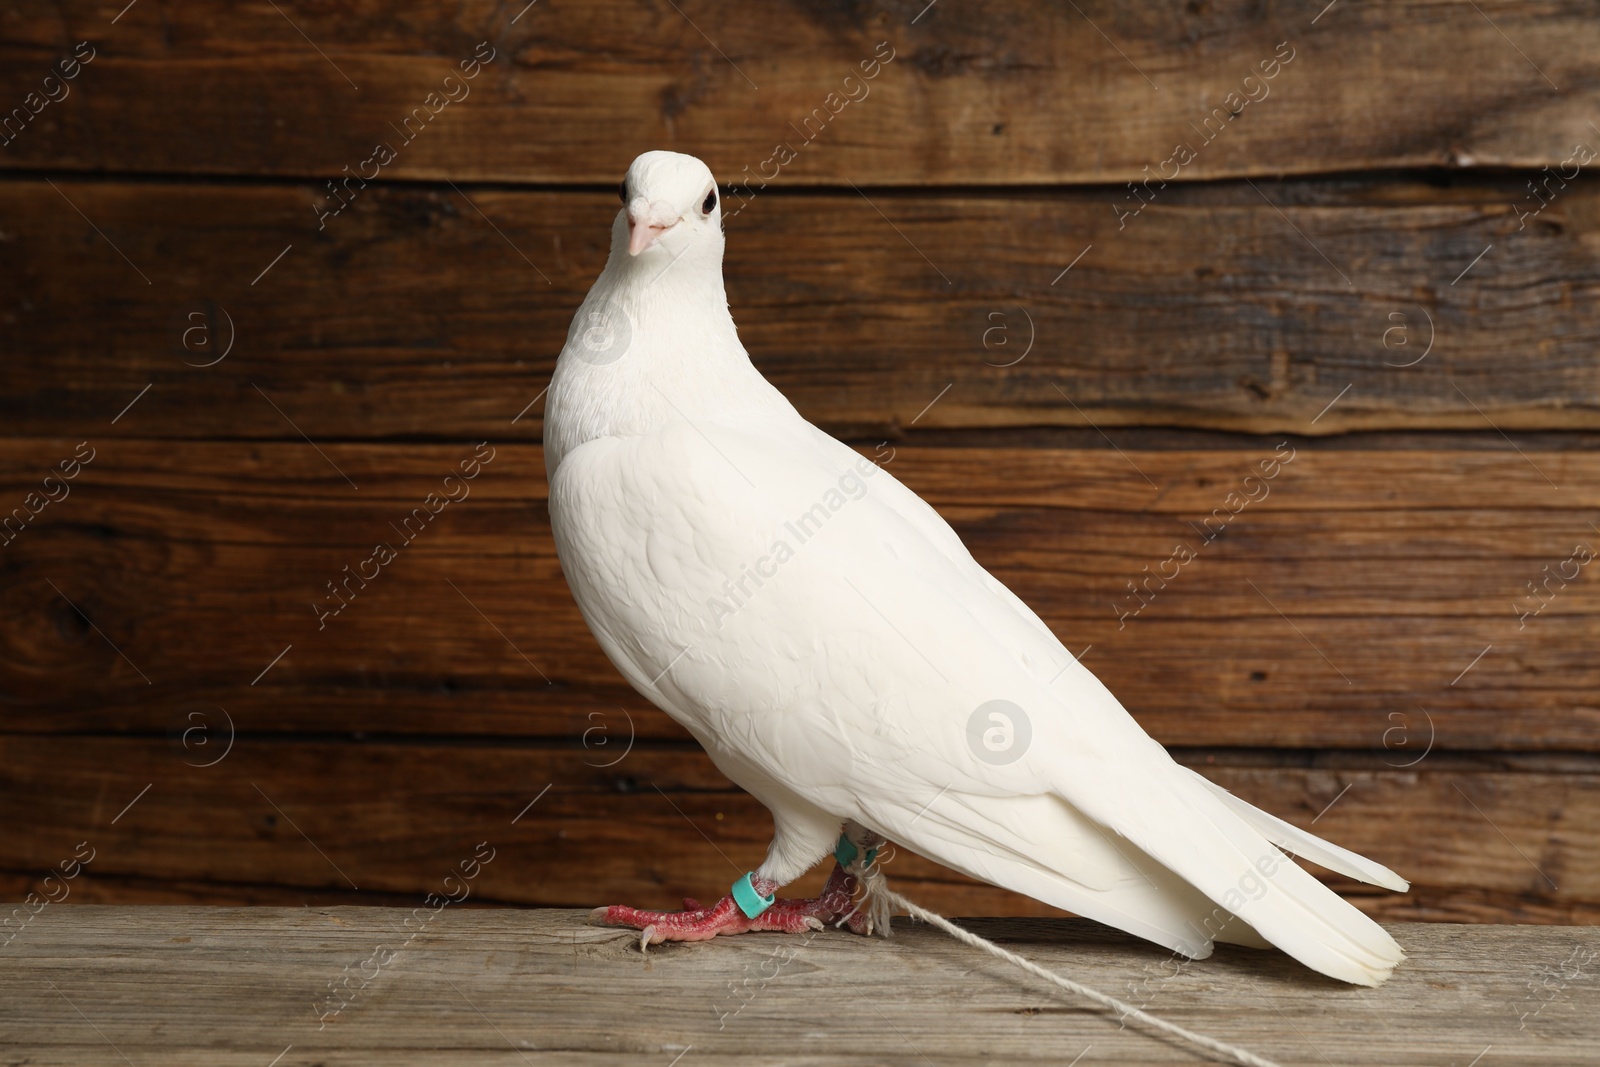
[409, 315]
[992, 92]
[201, 562]
[583, 823]
[237, 987]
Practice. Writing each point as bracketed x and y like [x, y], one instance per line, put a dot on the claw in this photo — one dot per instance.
[644, 940]
[597, 917]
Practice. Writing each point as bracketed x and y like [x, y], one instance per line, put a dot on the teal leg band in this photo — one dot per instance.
[845, 852]
[750, 902]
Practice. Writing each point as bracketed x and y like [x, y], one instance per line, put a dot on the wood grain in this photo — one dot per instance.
[994, 92]
[431, 313]
[1075, 361]
[1519, 833]
[505, 988]
[1345, 609]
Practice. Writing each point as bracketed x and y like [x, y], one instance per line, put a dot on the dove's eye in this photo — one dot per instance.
[622, 191]
[710, 204]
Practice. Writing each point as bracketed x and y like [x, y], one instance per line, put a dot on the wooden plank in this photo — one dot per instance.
[413, 315]
[1503, 838]
[993, 92]
[1434, 904]
[200, 563]
[504, 988]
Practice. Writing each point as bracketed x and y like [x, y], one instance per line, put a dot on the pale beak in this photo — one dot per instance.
[642, 234]
[644, 225]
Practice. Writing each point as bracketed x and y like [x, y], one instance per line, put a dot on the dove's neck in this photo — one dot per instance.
[653, 342]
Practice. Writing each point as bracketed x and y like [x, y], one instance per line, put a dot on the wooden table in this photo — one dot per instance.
[252, 987]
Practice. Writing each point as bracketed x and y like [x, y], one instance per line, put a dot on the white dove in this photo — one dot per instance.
[829, 640]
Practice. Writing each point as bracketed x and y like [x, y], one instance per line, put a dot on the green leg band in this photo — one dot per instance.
[750, 902]
[845, 852]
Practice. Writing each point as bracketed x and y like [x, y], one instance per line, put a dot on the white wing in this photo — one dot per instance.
[828, 638]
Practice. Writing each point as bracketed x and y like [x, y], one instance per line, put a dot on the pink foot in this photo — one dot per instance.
[696, 923]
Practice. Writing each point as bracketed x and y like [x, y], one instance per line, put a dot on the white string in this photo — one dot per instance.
[876, 886]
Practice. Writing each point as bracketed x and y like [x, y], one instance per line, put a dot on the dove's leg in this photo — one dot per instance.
[797, 846]
[696, 923]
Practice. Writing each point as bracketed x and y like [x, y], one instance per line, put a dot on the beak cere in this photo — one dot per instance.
[647, 221]
[642, 233]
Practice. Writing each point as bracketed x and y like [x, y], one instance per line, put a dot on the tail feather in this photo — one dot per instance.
[1191, 830]
[1071, 864]
[1307, 845]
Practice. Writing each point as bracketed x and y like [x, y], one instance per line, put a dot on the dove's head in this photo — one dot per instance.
[669, 204]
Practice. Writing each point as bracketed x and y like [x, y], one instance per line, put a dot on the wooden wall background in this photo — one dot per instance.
[1354, 266]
